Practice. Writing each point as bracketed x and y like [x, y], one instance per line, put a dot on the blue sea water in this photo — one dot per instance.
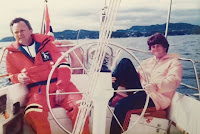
[187, 46]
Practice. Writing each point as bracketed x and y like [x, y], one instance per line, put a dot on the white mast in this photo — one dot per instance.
[168, 19]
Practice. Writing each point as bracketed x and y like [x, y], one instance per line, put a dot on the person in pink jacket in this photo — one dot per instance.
[164, 74]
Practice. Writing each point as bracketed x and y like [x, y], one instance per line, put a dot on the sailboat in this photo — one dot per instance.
[181, 116]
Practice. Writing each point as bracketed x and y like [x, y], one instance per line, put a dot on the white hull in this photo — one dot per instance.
[184, 110]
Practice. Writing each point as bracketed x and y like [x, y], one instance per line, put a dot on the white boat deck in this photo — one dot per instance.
[184, 111]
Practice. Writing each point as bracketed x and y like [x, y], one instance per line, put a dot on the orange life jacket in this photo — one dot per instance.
[37, 69]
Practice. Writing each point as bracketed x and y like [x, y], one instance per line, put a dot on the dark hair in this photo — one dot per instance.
[17, 20]
[158, 38]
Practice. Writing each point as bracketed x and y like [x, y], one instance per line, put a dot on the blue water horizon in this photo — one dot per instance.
[187, 46]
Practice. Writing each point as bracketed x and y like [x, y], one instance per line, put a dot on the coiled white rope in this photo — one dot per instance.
[105, 34]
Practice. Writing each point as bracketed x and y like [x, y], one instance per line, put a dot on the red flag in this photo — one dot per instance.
[46, 23]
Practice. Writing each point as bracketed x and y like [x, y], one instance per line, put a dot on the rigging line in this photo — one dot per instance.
[107, 23]
[105, 42]
[86, 110]
[107, 35]
[111, 29]
[85, 98]
[95, 60]
[81, 114]
[103, 46]
[96, 69]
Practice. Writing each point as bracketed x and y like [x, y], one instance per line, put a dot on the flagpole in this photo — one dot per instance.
[41, 31]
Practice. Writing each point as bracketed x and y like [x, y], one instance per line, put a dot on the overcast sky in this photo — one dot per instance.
[85, 14]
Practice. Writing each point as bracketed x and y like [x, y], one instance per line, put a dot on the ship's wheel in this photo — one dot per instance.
[114, 53]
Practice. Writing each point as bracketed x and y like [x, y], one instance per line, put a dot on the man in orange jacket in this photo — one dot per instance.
[29, 61]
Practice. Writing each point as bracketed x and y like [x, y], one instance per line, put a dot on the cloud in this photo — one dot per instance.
[190, 16]
[85, 14]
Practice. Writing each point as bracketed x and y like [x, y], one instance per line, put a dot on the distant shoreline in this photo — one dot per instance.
[134, 31]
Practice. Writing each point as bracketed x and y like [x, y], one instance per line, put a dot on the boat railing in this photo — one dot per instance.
[115, 57]
[195, 72]
[182, 59]
[85, 61]
[75, 58]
